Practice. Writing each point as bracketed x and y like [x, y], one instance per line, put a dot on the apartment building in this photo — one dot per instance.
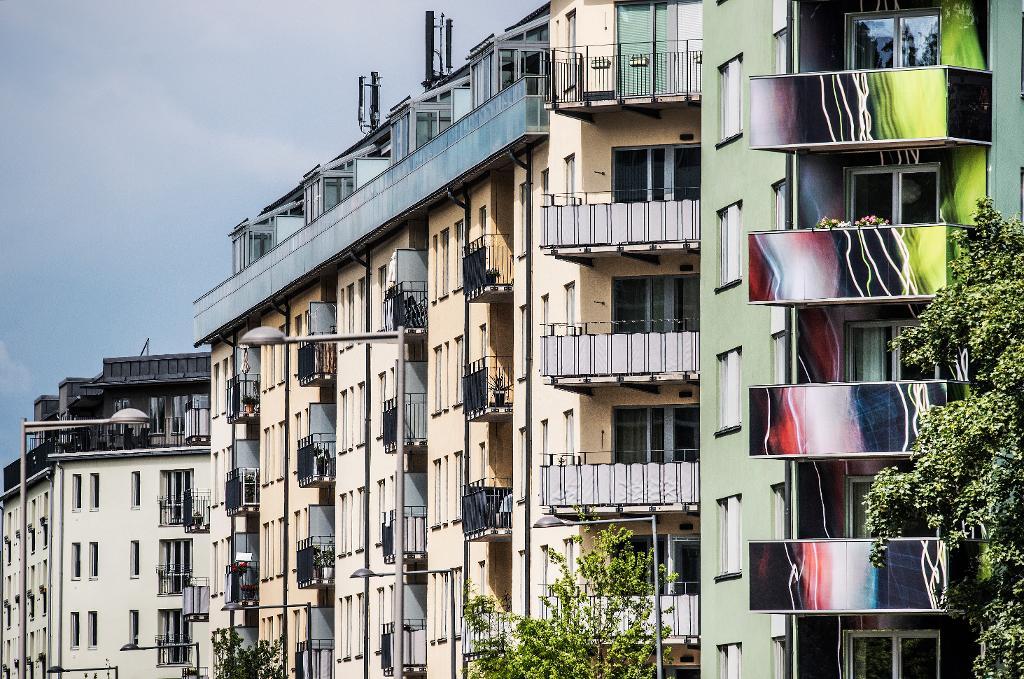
[116, 523]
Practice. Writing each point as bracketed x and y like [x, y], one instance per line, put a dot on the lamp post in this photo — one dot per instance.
[57, 669]
[265, 336]
[123, 416]
[550, 521]
[367, 573]
[193, 644]
[232, 606]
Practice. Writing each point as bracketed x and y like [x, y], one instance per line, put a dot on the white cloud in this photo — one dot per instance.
[14, 376]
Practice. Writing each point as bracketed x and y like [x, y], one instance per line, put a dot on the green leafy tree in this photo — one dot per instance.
[234, 659]
[599, 622]
[968, 462]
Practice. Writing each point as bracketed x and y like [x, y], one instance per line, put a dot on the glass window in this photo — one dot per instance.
[857, 488]
[157, 414]
[729, 661]
[729, 235]
[873, 41]
[871, 358]
[919, 40]
[731, 87]
[894, 41]
[730, 536]
[912, 654]
[729, 409]
[900, 194]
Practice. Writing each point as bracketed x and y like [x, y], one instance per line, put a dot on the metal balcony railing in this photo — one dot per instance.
[487, 509]
[315, 562]
[318, 363]
[414, 646]
[243, 397]
[197, 421]
[195, 600]
[488, 268]
[488, 388]
[170, 650]
[631, 220]
[594, 74]
[242, 582]
[415, 421]
[194, 673]
[171, 578]
[405, 304]
[242, 490]
[169, 433]
[317, 461]
[321, 651]
[172, 510]
[490, 638]
[196, 511]
[648, 479]
[415, 536]
[680, 606]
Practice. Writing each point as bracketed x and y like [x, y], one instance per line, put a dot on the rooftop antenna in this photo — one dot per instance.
[369, 112]
[145, 348]
[437, 47]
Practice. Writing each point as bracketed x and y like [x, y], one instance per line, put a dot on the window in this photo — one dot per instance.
[524, 212]
[730, 557]
[76, 492]
[909, 654]
[570, 29]
[903, 40]
[870, 358]
[780, 351]
[781, 196]
[133, 627]
[94, 632]
[857, 488]
[437, 493]
[94, 492]
[136, 490]
[569, 423]
[729, 661]
[781, 51]
[729, 408]
[445, 256]
[656, 173]
[654, 304]
[438, 380]
[903, 194]
[779, 511]
[779, 658]
[731, 88]
[460, 484]
[483, 219]
[570, 174]
[460, 244]
[460, 362]
[133, 558]
[94, 560]
[157, 414]
[76, 560]
[76, 630]
[661, 434]
[570, 304]
[729, 226]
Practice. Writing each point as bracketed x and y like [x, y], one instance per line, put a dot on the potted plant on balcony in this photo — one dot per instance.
[239, 567]
[324, 562]
[190, 672]
[249, 402]
[250, 591]
[500, 387]
[491, 276]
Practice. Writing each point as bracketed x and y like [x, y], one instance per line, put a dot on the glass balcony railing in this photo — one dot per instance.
[405, 304]
[649, 479]
[415, 421]
[871, 110]
[414, 647]
[243, 398]
[196, 511]
[415, 536]
[487, 510]
[242, 491]
[847, 265]
[840, 420]
[317, 461]
[195, 600]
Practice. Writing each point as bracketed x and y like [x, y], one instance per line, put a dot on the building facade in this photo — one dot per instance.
[116, 522]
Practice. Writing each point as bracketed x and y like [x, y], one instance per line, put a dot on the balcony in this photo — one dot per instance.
[488, 389]
[405, 304]
[656, 481]
[242, 583]
[850, 265]
[197, 421]
[584, 226]
[315, 562]
[244, 398]
[194, 673]
[317, 461]
[172, 578]
[487, 510]
[321, 652]
[607, 353]
[196, 511]
[318, 364]
[415, 536]
[488, 270]
[841, 420]
[169, 433]
[836, 577]
[172, 649]
[680, 611]
[491, 638]
[415, 422]
[242, 491]
[641, 77]
[195, 600]
[172, 510]
[414, 647]
[831, 112]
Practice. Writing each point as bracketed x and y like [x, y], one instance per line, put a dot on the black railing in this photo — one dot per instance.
[488, 266]
[487, 508]
[414, 645]
[242, 490]
[415, 536]
[315, 561]
[415, 421]
[321, 652]
[169, 433]
[172, 649]
[488, 386]
[405, 304]
[243, 397]
[195, 600]
[318, 362]
[197, 421]
[620, 348]
[194, 673]
[172, 510]
[634, 479]
[317, 460]
[36, 460]
[640, 217]
[196, 511]
[242, 582]
[606, 73]
[171, 578]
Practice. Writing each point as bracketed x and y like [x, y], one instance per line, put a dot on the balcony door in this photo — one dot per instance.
[880, 40]
[641, 32]
[680, 555]
[176, 555]
[655, 173]
[904, 194]
[870, 357]
[904, 654]
[660, 434]
[655, 304]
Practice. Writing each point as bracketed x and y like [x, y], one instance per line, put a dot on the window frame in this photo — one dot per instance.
[723, 365]
[725, 230]
[726, 134]
[727, 506]
[895, 636]
[897, 45]
[851, 173]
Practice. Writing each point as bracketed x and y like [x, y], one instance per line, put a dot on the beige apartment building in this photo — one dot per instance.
[532, 219]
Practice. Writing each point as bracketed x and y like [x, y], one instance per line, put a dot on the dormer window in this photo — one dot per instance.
[893, 40]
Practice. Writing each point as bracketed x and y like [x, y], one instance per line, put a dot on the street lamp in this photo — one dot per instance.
[57, 669]
[193, 644]
[551, 521]
[123, 416]
[264, 336]
[232, 606]
[400, 624]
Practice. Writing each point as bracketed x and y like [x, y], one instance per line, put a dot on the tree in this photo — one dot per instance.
[599, 622]
[235, 660]
[968, 461]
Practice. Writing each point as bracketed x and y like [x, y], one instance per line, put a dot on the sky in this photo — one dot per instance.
[135, 135]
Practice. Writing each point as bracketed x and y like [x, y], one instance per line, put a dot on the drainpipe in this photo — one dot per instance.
[60, 566]
[50, 480]
[286, 552]
[527, 451]
[234, 461]
[788, 670]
